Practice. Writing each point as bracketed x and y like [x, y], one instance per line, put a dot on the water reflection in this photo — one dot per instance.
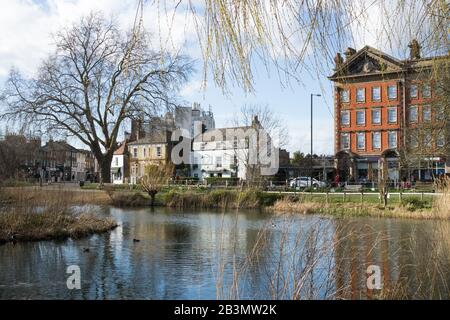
[208, 255]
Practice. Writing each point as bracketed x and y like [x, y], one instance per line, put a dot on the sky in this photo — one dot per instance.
[26, 27]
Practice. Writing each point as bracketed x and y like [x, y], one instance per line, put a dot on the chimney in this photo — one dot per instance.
[349, 53]
[414, 50]
[338, 61]
[255, 122]
[137, 132]
[127, 136]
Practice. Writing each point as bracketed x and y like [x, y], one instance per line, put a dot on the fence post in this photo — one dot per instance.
[362, 196]
[326, 197]
[421, 196]
[400, 196]
[343, 197]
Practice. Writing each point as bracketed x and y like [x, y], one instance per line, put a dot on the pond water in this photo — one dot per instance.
[235, 254]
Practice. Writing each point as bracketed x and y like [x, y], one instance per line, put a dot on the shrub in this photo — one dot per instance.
[129, 199]
[413, 204]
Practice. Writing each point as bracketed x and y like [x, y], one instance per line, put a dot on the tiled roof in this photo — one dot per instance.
[121, 150]
[154, 137]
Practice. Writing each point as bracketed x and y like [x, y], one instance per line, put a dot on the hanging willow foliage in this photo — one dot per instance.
[292, 36]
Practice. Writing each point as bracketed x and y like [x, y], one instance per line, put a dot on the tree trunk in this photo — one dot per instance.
[105, 167]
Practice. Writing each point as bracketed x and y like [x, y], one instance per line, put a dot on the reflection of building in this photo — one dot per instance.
[154, 148]
[119, 165]
[379, 103]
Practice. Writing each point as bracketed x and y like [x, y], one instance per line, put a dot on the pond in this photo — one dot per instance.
[235, 255]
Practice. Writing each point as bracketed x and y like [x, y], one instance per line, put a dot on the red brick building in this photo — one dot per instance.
[380, 103]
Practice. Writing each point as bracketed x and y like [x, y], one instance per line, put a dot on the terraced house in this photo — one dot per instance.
[154, 148]
[391, 109]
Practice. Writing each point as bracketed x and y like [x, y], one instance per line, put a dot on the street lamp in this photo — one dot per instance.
[311, 154]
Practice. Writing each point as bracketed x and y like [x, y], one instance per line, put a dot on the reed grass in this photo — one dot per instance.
[29, 215]
[231, 199]
[328, 259]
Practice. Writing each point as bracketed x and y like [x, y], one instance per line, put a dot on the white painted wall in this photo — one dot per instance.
[118, 162]
[79, 168]
[205, 160]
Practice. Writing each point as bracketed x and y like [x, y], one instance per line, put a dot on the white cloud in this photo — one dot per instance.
[26, 27]
[191, 88]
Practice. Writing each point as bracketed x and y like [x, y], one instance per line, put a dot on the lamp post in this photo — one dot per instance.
[311, 154]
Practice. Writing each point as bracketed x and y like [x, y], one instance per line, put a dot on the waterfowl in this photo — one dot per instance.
[86, 250]
[136, 240]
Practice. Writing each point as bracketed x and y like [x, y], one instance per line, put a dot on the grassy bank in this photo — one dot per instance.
[231, 199]
[408, 206]
[16, 225]
[30, 216]
[42, 195]
[411, 207]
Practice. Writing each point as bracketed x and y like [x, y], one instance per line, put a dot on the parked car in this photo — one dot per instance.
[304, 182]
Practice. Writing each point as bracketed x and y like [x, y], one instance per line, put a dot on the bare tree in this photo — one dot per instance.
[155, 177]
[97, 78]
[428, 137]
[383, 184]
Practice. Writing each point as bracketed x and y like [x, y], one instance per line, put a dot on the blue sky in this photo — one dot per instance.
[291, 104]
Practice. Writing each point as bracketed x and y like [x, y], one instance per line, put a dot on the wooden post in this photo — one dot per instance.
[326, 197]
[343, 197]
[362, 196]
[421, 196]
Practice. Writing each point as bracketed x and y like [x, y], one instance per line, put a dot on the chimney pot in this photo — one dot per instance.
[349, 53]
[414, 49]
